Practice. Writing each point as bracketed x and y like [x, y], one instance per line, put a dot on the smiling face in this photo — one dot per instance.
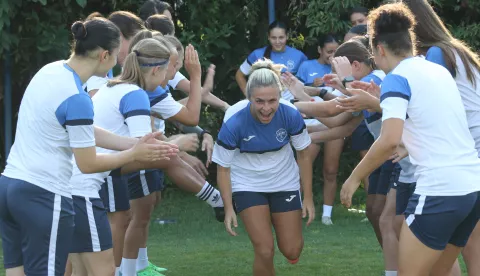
[327, 52]
[358, 19]
[264, 103]
[278, 39]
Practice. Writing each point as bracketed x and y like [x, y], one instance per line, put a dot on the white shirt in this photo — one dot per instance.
[123, 109]
[259, 155]
[436, 132]
[176, 79]
[163, 105]
[55, 115]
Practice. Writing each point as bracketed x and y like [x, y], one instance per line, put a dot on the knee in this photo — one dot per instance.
[292, 251]
[265, 251]
[330, 173]
[386, 224]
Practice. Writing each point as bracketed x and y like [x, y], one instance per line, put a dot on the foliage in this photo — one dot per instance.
[223, 31]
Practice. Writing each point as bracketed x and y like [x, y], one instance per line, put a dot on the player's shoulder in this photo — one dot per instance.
[232, 113]
[287, 106]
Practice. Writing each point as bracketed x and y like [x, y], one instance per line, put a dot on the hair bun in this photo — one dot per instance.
[79, 30]
[267, 64]
[394, 19]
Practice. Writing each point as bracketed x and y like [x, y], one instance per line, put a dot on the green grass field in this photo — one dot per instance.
[198, 245]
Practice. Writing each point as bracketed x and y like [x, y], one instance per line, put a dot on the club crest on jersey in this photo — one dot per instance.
[281, 135]
[290, 65]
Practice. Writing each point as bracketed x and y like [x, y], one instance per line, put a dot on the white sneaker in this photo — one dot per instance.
[365, 220]
[327, 220]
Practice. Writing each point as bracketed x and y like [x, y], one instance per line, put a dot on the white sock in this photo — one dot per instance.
[327, 210]
[142, 259]
[129, 267]
[210, 195]
[390, 273]
[117, 271]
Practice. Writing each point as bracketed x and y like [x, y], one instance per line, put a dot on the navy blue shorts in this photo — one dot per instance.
[36, 227]
[92, 229]
[439, 220]
[404, 192]
[278, 202]
[381, 179]
[143, 183]
[362, 139]
[114, 192]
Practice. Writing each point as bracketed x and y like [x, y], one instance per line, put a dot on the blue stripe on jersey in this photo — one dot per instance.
[373, 77]
[158, 99]
[135, 103]
[395, 86]
[158, 95]
[372, 117]
[110, 74]
[78, 81]
[435, 55]
[75, 110]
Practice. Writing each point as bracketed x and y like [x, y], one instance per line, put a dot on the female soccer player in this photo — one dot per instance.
[56, 121]
[358, 16]
[277, 51]
[151, 7]
[358, 30]
[439, 46]
[442, 212]
[161, 23]
[256, 163]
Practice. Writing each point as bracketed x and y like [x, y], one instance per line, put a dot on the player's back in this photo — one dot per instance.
[42, 150]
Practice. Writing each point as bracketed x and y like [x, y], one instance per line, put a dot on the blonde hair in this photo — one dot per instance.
[142, 35]
[146, 54]
[264, 73]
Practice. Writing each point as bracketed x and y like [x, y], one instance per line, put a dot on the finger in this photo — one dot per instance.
[203, 169]
[304, 211]
[310, 217]
[209, 156]
[199, 170]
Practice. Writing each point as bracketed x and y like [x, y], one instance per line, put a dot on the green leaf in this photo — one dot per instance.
[82, 3]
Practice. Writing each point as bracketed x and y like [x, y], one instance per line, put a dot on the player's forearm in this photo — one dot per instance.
[214, 101]
[380, 151]
[306, 172]
[318, 109]
[225, 186]
[108, 140]
[241, 81]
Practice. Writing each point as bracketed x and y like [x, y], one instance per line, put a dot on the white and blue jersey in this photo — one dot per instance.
[291, 58]
[55, 115]
[423, 94]
[470, 92]
[94, 82]
[309, 70]
[163, 105]
[259, 155]
[123, 109]
[373, 119]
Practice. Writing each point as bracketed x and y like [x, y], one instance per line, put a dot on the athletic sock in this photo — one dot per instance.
[129, 267]
[327, 210]
[390, 273]
[210, 195]
[117, 271]
[142, 259]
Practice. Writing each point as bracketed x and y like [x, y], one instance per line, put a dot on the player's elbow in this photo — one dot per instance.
[86, 167]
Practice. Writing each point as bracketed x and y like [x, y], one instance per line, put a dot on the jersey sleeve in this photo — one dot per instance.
[435, 55]
[165, 106]
[225, 147]
[395, 95]
[135, 108]
[75, 114]
[247, 64]
[302, 73]
[177, 79]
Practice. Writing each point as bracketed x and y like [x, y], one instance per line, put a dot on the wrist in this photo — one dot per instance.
[203, 133]
[131, 156]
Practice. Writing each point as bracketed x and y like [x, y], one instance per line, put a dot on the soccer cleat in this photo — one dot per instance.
[149, 271]
[156, 268]
[327, 220]
[219, 213]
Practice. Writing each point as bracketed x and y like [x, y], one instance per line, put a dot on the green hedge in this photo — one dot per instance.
[224, 32]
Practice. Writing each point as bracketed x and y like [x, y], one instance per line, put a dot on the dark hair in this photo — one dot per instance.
[273, 25]
[128, 23]
[152, 7]
[431, 31]
[392, 25]
[324, 39]
[355, 51]
[93, 34]
[359, 29]
[359, 9]
[161, 23]
[363, 39]
[94, 15]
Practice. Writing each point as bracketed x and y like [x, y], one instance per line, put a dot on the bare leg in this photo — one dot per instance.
[389, 237]
[375, 204]
[16, 271]
[288, 229]
[68, 269]
[445, 264]
[331, 160]
[118, 223]
[471, 252]
[259, 228]
[366, 181]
